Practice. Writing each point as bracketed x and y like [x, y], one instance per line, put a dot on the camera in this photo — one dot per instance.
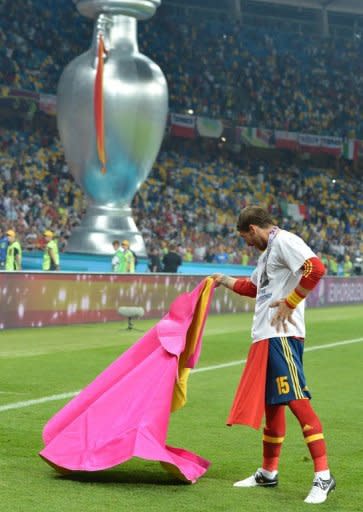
[358, 266]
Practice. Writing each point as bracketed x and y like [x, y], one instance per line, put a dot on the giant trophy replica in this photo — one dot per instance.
[112, 105]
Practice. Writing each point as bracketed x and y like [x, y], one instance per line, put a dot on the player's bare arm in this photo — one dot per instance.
[222, 279]
[240, 285]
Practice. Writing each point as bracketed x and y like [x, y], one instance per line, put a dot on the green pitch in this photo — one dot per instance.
[42, 363]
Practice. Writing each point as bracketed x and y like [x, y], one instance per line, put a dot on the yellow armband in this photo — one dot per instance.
[293, 299]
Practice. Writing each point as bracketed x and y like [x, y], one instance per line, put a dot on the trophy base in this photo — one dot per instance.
[100, 227]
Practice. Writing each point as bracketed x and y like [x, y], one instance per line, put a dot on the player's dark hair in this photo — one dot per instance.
[253, 215]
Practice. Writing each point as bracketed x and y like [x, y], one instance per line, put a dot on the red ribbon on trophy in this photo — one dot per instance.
[98, 105]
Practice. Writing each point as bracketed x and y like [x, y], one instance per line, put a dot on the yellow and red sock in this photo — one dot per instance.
[313, 432]
[273, 436]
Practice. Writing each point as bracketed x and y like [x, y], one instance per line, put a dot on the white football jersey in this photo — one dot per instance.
[277, 279]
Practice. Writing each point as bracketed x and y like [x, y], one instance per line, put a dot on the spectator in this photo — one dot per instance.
[3, 248]
[221, 255]
[51, 253]
[123, 260]
[188, 254]
[14, 253]
[171, 260]
[347, 266]
[117, 256]
[154, 263]
[245, 258]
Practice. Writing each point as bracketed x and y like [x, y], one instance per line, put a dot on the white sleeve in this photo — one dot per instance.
[293, 250]
[115, 260]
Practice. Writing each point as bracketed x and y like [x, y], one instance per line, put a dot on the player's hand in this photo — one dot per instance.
[283, 315]
[218, 279]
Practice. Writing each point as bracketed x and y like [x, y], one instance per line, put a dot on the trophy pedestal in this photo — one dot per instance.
[100, 227]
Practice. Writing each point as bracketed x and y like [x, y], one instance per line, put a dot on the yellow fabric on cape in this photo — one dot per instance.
[180, 388]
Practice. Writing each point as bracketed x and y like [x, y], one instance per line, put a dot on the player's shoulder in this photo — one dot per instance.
[284, 235]
[287, 239]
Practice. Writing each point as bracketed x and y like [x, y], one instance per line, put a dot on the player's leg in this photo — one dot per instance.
[312, 430]
[275, 427]
[273, 436]
[300, 405]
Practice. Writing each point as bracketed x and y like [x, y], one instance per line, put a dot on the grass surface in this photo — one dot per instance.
[37, 363]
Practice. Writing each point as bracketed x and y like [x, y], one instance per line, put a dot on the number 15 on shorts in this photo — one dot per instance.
[283, 386]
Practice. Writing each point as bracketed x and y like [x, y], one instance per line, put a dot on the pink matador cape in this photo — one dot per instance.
[125, 411]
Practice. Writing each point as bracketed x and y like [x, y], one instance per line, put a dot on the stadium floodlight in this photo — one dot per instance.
[131, 312]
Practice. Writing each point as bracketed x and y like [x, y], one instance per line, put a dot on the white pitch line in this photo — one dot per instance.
[12, 393]
[36, 401]
[308, 349]
[53, 398]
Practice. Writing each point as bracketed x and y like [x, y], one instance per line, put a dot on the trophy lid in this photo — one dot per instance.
[139, 9]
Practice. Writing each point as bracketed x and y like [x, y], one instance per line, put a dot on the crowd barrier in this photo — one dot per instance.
[37, 299]
[72, 262]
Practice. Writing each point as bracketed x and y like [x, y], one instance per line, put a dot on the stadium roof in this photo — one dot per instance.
[347, 6]
[338, 6]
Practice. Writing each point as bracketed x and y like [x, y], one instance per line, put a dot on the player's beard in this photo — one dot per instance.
[260, 244]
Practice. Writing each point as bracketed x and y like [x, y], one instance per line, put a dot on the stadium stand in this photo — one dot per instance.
[217, 68]
[38, 192]
[256, 75]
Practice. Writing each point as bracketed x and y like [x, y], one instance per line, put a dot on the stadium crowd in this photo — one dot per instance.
[201, 199]
[252, 76]
[218, 187]
[36, 190]
[222, 69]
